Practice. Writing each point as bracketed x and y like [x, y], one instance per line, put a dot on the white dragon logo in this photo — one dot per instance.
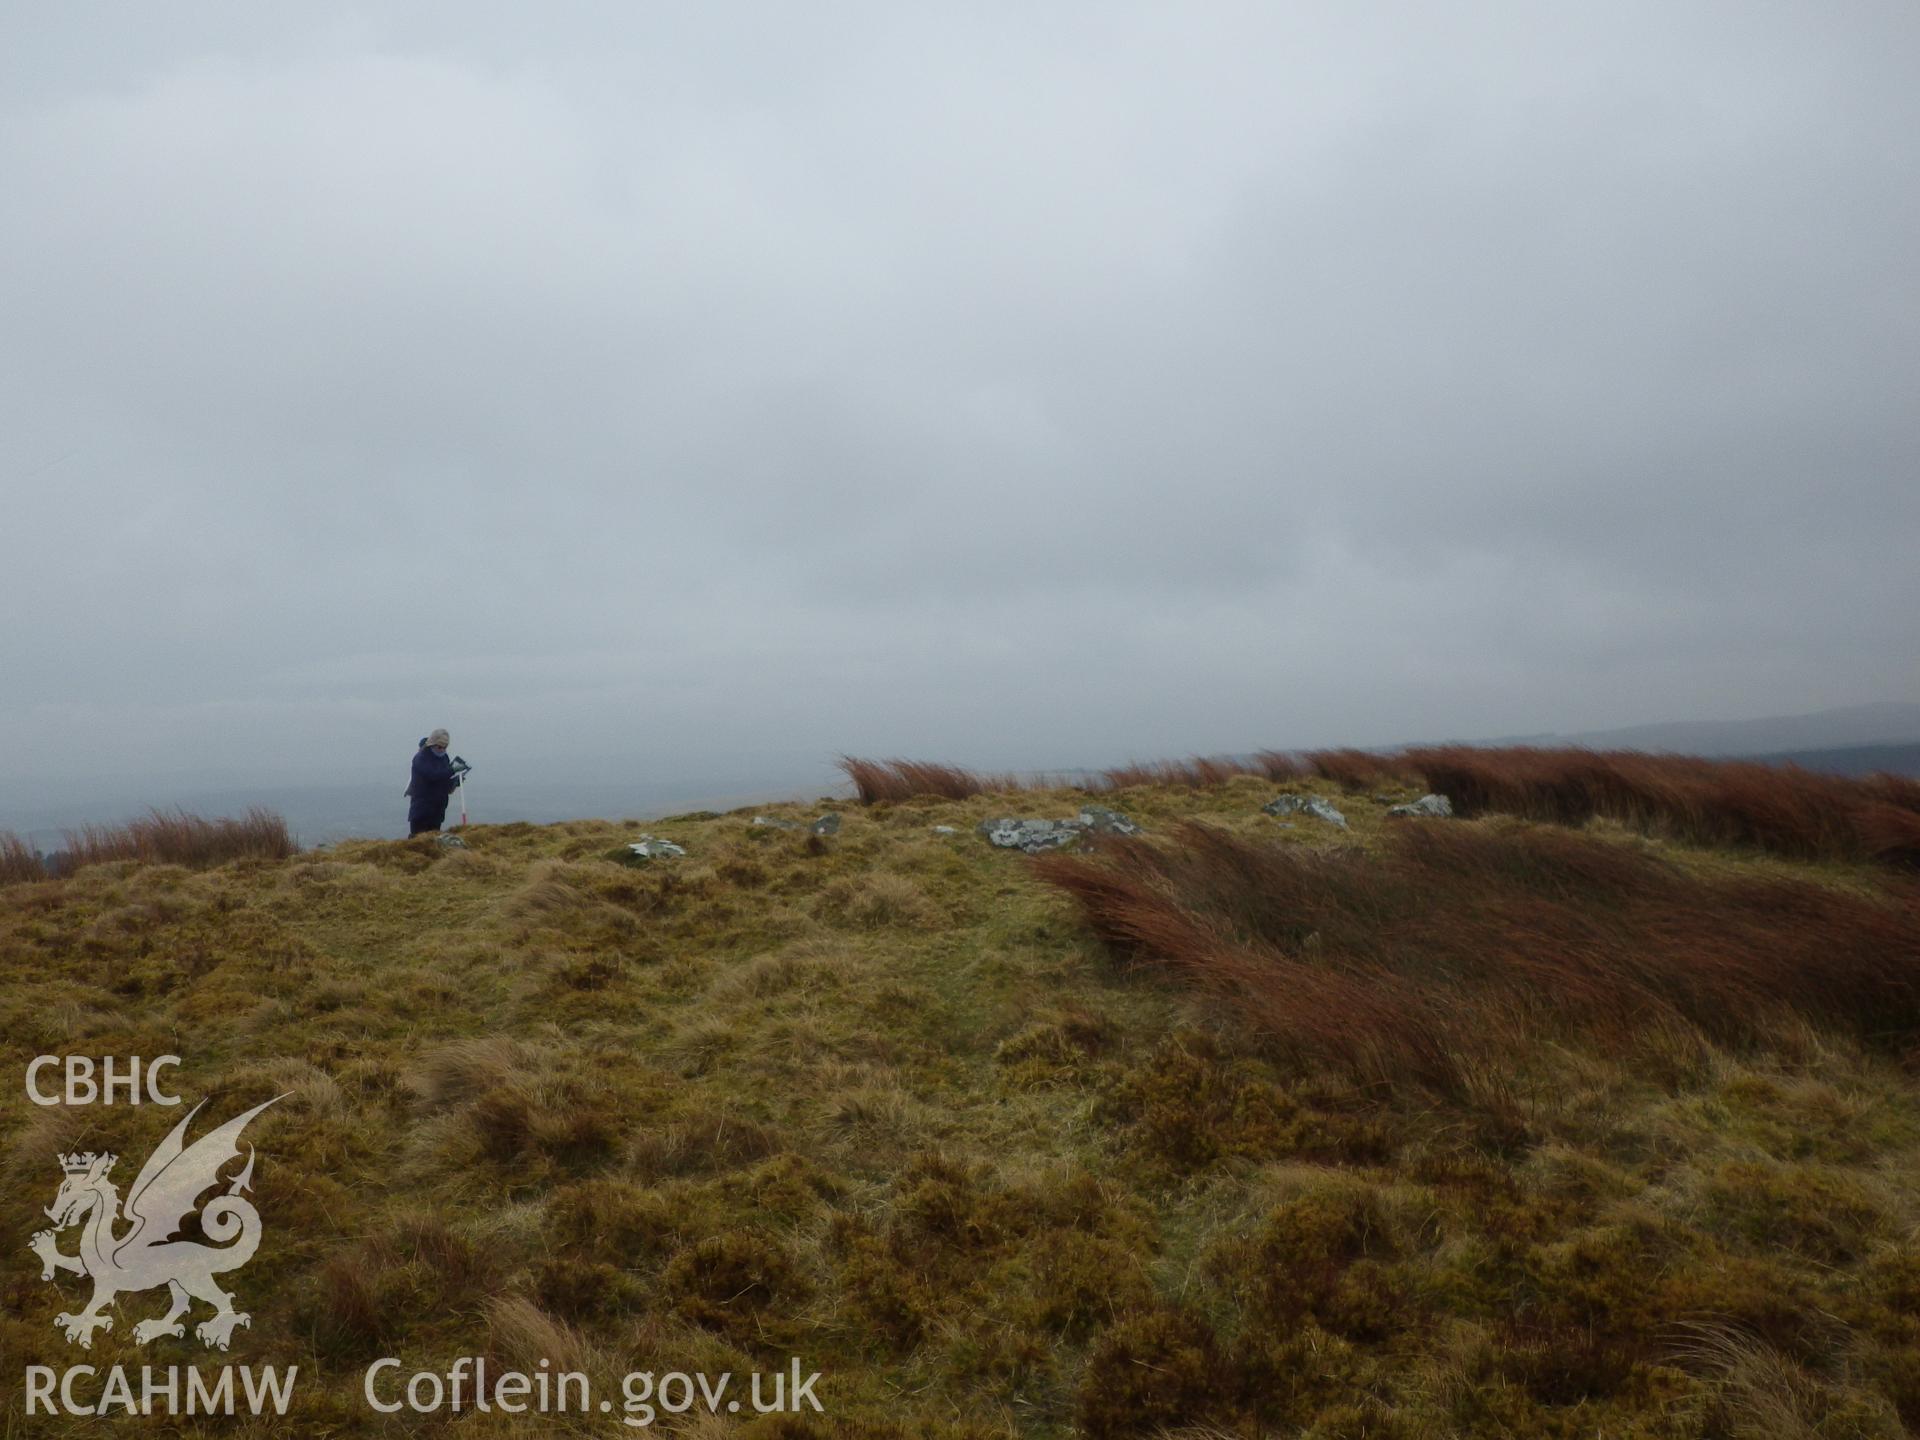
[146, 1255]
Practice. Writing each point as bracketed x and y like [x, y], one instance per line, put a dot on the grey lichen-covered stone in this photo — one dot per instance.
[450, 842]
[945, 830]
[827, 824]
[1032, 836]
[1102, 821]
[774, 822]
[649, 848]
[1434, 806]
[1305, 805]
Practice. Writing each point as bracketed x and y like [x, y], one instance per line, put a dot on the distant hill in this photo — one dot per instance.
[1891, 724]
[1853, 760]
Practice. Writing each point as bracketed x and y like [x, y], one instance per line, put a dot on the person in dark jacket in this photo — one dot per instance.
[434, 777]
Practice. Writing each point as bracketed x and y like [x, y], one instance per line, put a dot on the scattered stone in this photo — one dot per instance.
[1436, 806]
[1103, 821]
[1305, 805]
[1032, 836]
[648, 848]
[1324, 810]
[945, 830]
[450, 842]
[773, 822]
[827, 824]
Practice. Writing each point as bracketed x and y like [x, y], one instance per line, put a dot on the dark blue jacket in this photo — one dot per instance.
[432, 784]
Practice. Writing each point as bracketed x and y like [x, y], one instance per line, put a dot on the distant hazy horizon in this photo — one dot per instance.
[595, 785]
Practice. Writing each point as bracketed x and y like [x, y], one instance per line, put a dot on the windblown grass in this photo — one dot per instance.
[1456, 947]
[878, 780]
[18, 860]
[1201, 772]
[893, 780]
[1781, 809]
[1357, 770]
[176, 837]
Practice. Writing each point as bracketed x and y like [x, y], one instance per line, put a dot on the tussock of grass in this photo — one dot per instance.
[19, 862]
[876, 780]
[1200, 772]
[176, 837]
[1356, 770]
[521, 1335]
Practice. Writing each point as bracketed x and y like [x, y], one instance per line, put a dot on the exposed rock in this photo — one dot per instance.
[827, 824]
[450, 842]
[774, 822]
[1324, 810]
[1305, 805]
[1103, 821]
[648, 848]
[1032, 836]
[1437, 806]
[945, 830]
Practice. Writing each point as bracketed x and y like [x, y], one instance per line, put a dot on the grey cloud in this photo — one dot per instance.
[693, 384]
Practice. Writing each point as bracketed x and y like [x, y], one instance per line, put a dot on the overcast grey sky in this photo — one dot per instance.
[684, 387]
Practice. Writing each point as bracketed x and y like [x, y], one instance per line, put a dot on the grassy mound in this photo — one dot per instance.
[1481, 1127]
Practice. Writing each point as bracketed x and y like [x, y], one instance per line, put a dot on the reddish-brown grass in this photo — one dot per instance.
[1899, 790]
[1280, 765]
[1197, 772]
[1434, 961]
[1777, 808]
[18, 861]
[876, 780]
[1781, 809]
[176, 837]
[1357, 769]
